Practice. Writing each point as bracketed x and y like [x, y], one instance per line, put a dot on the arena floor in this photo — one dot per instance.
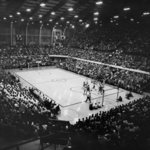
[66, 89]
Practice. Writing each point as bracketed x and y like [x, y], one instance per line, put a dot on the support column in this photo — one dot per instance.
[11, 33]
[64, 32]
[52, 37]
[27, 33]
[40, 34]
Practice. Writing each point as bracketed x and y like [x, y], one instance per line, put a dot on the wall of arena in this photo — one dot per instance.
[18, 34]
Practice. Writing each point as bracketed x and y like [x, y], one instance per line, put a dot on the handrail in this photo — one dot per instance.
[91, 61]
[100, 63]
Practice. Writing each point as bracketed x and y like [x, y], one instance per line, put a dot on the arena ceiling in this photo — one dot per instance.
[61, 12]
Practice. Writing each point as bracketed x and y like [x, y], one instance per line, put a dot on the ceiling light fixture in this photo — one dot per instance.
[72, 26]
[42, 4]
[28, 10]
[96, 13]
[53, 13]
[80, 20]
[40, 16]
[18, 13]
[76, 16]
[131, 19]
[62, 18]
[87, 25]
[126, 9]
[10, 16]
[116, 17]
[22, 20]
[99, 3]
[146, 13]
[31, 18]
[70, 9]
[95, 19]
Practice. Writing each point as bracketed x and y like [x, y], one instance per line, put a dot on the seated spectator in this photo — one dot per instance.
[119, 99]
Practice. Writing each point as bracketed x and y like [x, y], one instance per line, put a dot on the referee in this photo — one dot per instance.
[88, 98]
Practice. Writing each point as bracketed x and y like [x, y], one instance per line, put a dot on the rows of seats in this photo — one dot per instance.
[27, 56]
[117, 56]
[28, 112]
[119, 45]
[123, 127]
[128, 80]
[21, 110]
[125, 79]
[120, 127]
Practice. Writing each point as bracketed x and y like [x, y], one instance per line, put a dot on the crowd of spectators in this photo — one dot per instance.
[123, 46]
[123, 127]
[132, 39]
[126, 47]
[115, 57]
[21, 112]
[125, 79]
[129, 80]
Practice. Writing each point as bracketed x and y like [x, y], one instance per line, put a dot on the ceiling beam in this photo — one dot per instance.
[55, 8]
[66, 13]
[19, 5]
[37, 8]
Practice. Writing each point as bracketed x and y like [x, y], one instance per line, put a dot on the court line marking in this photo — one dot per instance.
[92, 99]
[92, 92]
[37, 88]
[55, 80]
[55, 100]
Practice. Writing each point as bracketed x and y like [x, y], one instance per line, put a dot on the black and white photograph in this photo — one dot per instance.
[74, 74]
